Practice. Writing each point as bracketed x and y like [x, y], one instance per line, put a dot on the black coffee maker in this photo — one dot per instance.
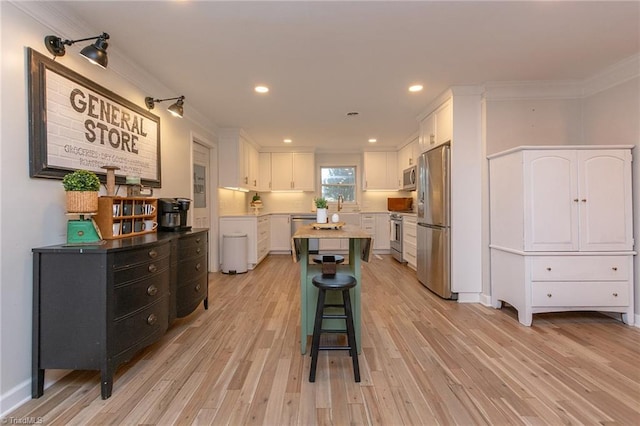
[172, 214]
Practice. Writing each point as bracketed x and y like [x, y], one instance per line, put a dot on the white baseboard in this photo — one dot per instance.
[21, 393]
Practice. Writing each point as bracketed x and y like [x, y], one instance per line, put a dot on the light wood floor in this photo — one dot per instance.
[424, 361]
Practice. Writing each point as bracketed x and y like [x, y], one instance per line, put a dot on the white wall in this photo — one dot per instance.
[32, 210]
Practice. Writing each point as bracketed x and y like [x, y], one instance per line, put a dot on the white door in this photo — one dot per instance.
[201, 187]
[604, 178]
[551, 207]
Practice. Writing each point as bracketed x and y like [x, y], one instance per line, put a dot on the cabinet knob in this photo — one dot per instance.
[198, 250]
[198, 266]
[615, 268]
[548, 269]
[197, 240]
[152, 319]
[152, 290]
[153, 254]
[584, 200]
[197, 288]
[615, 294]
[152, 268]
[575, 200]
[548, 294]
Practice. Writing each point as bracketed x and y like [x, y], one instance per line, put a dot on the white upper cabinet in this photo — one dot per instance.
[437, 127]
[238, 166]
[292, 171]
[562, 200]
[380, 171]
[264, 177]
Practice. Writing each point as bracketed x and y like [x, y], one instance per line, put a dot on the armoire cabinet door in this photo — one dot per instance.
[605, 205]
[551, 212]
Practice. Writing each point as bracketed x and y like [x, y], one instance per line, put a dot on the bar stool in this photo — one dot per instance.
[342, 283]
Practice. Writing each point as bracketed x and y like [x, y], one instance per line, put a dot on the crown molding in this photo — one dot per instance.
[513, 90]
[614, 75]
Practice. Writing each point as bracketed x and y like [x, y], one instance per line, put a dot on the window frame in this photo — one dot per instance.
[354, 185]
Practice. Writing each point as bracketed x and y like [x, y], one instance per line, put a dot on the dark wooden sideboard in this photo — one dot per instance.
[96, 306]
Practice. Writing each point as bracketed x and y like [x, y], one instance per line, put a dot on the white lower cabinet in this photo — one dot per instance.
[536, 284]
[280, 233]
[377, 224]
[257, 230]
[339, 245]
[409, 240]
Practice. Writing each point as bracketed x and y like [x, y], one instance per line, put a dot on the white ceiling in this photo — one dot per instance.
[324, 59]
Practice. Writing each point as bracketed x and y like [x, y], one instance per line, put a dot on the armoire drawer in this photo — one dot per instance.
[580, 268]
[592, 293]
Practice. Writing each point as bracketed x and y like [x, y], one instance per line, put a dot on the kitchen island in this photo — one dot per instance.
[360, 244]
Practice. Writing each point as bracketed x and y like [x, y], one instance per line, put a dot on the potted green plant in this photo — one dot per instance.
[321, 209]
[81, 188]
[256, 201]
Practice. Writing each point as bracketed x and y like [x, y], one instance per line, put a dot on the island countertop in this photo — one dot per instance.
[346, 231]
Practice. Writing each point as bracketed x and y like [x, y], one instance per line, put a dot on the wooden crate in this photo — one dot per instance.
[127, 216]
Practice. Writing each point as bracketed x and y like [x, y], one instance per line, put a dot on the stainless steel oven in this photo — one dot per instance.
[396, 236]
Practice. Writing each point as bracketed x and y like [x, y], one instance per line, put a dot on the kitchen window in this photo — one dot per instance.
[337, 181]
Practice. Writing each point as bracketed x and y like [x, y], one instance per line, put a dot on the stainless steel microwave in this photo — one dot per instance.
[409, 179]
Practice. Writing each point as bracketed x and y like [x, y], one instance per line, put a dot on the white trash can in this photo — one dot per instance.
[234, 253]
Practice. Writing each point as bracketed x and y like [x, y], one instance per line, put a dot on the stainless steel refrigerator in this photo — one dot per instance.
[434, 221]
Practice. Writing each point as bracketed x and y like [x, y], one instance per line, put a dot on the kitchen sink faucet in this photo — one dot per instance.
[340, 201]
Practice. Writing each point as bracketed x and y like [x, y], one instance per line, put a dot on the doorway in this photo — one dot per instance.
[203, 196]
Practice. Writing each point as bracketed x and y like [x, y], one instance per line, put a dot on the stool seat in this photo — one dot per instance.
[334, 282]
[337, 282]
[337, 257]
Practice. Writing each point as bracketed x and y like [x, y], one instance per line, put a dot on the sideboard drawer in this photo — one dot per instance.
[582, 294]
[125, 259]
[140, 293]
[579, 268]
[146, 326]
[143, 270]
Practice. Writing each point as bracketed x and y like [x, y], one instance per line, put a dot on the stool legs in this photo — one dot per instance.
[351, 334]
[317, 331]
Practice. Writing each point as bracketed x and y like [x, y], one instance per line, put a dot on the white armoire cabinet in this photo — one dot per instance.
[562, 230]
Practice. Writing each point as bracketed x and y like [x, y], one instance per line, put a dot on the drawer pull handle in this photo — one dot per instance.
[198, 250]
[198, 266]
[584, 200]
[615, 268]
[548, 269]
[152, 319]
[575, 200]
[153, 268]
[197, 288]
[152, 290]
[548, 294]
[615, 294]
[153, 254]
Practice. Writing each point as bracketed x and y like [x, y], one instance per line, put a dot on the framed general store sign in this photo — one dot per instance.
[75, 123]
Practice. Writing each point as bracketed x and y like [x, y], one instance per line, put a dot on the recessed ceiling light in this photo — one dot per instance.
[287, 141]
[415, 88]
[261, 89]
[372, 140]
